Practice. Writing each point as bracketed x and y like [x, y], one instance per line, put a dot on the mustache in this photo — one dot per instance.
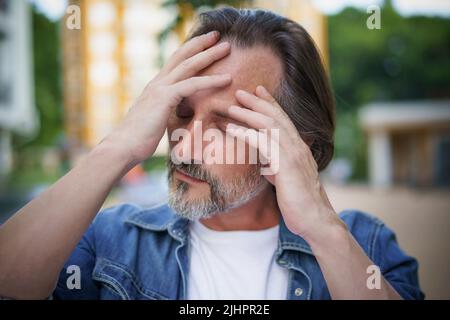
[194, 170]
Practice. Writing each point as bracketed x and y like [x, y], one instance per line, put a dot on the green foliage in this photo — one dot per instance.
[408, 58]
[47, 82]
[28, 168]
[350, 143]
[155, 163]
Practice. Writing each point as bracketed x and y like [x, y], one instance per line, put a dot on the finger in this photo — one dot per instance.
[191, 48]
[259, 140]
[278, 112]
[272, 110]
[258, 121]
[251, 118]
[248, 136]
[254, 103]
[189, 86]
[200, 61]
[264, 94]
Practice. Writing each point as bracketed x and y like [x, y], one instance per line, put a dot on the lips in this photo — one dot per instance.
[182, 175]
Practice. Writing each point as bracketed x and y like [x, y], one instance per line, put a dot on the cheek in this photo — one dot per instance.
[240, 153]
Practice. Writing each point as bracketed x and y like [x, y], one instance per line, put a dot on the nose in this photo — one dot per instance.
[195, 141]
[191, 144]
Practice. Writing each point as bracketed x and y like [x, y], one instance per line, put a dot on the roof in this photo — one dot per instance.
[409, 114]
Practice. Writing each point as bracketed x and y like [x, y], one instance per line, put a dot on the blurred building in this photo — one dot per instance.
[409, 142]
[107, 63]
[110, 59]
[17, 109]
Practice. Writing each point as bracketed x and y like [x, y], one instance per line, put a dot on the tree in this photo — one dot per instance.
[407, 59]
[47, 84]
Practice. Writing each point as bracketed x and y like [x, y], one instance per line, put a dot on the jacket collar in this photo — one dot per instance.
[162, 218]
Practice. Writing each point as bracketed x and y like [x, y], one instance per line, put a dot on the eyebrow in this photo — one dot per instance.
[220, 115]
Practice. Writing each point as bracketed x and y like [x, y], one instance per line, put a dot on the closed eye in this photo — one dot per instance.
[183, 111]
[222, 121]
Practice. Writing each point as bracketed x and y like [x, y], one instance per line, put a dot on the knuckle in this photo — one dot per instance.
[165, 91]
[186, 64]
[272, 123]
[272, 100]
[205, 56]
[192, 84]
[177, 52]
[279, 114]
[193, 42]
[208, 55]
[306, 151]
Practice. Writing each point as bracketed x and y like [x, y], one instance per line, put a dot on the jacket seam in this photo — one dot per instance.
[132, 276]
[374, 242]
[114, 283]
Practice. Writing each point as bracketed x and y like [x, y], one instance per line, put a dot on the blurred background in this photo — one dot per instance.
[70, 69]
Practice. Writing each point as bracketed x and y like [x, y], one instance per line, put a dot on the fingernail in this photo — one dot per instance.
[224, 44]
[262, 89]
[213, 33]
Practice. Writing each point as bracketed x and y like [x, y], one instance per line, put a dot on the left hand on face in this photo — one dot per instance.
[300, 195]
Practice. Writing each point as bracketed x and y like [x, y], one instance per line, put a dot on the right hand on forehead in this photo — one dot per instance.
[144, 125]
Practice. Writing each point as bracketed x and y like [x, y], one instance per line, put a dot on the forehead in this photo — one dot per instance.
[248, 67]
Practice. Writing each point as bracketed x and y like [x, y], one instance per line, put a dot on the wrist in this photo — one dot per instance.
[326, 234]
[111, 151]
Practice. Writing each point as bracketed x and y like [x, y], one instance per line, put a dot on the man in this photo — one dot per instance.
[228, 232]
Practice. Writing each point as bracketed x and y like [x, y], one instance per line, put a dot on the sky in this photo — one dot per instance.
[54, 9]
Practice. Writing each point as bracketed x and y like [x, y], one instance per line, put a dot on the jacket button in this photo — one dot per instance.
[282, 262]
[298, 292]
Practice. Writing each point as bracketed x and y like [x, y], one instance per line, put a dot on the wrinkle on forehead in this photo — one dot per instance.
[248, 67]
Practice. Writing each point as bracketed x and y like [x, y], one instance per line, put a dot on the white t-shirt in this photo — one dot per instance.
[234, 264]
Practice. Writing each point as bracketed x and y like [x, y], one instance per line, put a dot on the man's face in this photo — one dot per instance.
[201, 190]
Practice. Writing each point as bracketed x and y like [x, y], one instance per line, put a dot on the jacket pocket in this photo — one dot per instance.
[118, 282]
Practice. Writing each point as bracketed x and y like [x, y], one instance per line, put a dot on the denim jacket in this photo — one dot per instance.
[134, 253]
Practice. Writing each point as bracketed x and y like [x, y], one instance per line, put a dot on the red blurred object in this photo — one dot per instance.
[135, 175]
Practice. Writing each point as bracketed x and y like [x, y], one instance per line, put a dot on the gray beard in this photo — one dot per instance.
[223, 197]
